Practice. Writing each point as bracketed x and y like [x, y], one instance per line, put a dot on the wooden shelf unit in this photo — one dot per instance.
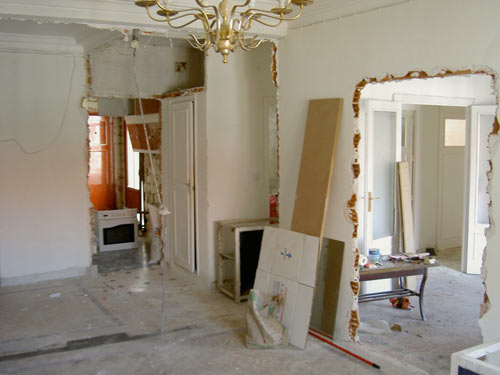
[229, 254]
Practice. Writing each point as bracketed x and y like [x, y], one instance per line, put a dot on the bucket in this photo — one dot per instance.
[374, 255]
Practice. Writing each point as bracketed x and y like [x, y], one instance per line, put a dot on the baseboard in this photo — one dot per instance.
[46, 276]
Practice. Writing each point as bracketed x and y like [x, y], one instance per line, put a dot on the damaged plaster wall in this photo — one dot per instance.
[44, 226]
[157, 71]
[236, 128]
[336, 55]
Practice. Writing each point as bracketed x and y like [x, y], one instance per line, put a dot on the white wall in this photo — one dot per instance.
[236, 144]
[329, 59]
[112, 70]
[44, 226]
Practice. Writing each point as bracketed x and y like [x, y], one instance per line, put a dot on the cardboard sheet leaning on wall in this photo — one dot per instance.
[287, 273]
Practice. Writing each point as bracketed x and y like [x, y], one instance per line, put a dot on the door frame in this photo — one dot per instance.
[471, 183]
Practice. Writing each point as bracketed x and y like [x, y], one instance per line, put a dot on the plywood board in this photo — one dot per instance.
[287, 267]
[333, 274]
[316, 167]
[406, 210]
[326, 294]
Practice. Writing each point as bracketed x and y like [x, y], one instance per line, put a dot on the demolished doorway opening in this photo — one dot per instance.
[353, 204]
[120, 175]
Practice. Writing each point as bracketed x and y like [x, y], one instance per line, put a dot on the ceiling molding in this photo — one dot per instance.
[112, 15]
[36, 43]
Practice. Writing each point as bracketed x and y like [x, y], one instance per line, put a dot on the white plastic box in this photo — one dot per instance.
[478, 360]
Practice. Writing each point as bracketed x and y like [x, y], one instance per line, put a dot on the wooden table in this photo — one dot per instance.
[391, 270]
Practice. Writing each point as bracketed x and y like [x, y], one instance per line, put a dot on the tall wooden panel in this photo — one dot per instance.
[316, 168]
[405, 204]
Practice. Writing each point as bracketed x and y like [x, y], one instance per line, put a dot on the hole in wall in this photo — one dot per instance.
[354, 203]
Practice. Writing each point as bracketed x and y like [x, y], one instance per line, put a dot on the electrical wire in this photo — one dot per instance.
[146, 134]
[63, 119]
[162, 214]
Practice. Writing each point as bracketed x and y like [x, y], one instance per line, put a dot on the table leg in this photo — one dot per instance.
[421, 295]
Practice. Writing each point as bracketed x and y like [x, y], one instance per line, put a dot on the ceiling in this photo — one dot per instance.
[76, 34]
[75, 29]
[45, 29]
[323, 10]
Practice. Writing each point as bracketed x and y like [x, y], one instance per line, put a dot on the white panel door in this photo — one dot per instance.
[451, 180]
[183, 184]
[382, 152]
[479, 124]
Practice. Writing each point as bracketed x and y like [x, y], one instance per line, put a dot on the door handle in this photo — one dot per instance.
[370, 199]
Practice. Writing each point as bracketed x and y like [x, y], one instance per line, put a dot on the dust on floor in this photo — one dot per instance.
[451, 303]
[204, 332]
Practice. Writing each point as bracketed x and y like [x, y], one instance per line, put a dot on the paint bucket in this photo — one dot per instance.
[374, 255]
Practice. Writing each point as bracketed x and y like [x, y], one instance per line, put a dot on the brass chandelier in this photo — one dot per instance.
[224, 25]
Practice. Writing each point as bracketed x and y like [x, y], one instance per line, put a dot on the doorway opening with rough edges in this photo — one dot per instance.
[415, 109]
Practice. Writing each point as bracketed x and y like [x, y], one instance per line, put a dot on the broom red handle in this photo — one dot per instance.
[319, 336]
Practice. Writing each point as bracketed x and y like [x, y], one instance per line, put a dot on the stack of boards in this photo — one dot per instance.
[288, 259]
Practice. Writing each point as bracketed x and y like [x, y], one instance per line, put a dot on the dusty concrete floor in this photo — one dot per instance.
[451, 303]
[205, 330]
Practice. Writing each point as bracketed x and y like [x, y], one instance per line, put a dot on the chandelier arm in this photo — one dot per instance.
[160, 5]
[214, 8]
[196, 10]
[235, 7]
[256, 19]
[205, 6]
[195, 42]
[269, 14]
[277, 18]
[182, 25]
[153, 17]
[247, 46]
[216, 32]
[194, 13]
